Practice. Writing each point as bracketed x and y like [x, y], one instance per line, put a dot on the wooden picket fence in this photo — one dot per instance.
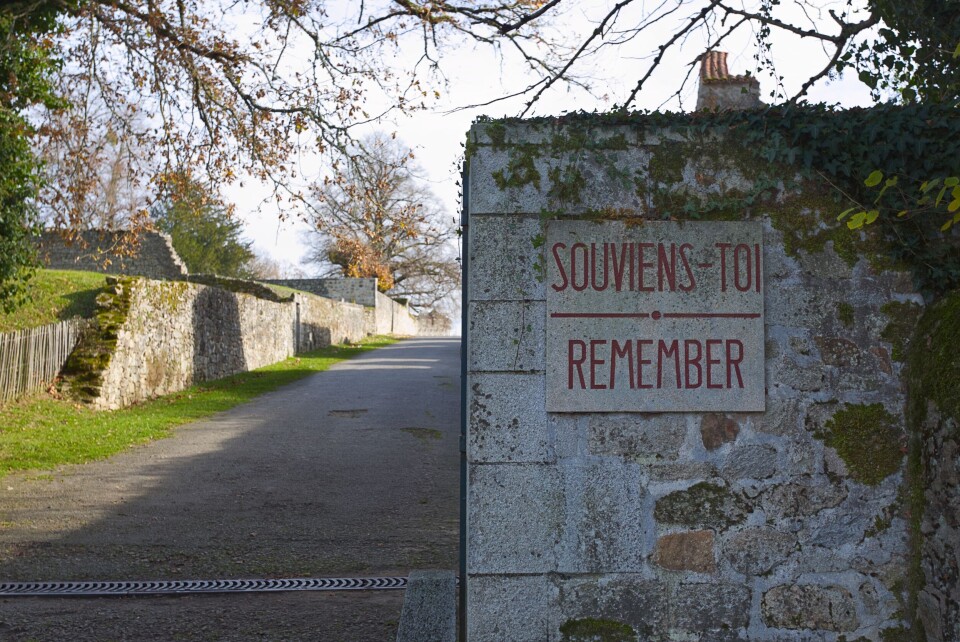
[32, 358]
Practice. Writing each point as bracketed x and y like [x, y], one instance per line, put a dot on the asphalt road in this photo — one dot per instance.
[350, 472]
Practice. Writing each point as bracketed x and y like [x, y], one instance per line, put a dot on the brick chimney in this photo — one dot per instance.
[719, 90]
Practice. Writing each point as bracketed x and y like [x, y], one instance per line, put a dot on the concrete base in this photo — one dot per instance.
[429, 608]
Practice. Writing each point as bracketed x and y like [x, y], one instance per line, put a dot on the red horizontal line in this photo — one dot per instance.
[599, 315]
[711, 315]
[646, 315]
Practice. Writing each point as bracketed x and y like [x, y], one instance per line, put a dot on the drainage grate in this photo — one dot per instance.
[185, 587]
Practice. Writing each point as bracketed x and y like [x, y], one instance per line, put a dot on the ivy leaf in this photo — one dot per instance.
[844, 213]
[874, 179]
[951, 181]
[943, 191]
[956, 52]
[929, 185]
[954, 205]
[856, 222]
[902, 213]
[871, 216]
[946, 226]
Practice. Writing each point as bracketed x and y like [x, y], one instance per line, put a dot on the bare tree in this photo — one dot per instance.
[381, 221]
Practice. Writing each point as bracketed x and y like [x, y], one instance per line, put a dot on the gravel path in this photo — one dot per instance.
[351, 472]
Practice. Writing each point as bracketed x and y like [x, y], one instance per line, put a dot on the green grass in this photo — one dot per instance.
[55, 295]
[40, 433]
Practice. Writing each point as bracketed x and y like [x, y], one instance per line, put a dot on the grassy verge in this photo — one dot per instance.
[43, 432]
[56, 295]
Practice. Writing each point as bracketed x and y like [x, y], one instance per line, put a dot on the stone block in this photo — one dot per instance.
[757, 551]
[507, 420]
[503, 256]
[811, 607]
[698, 608]
[606, 527]
[429, 608]
[681, 470]
[802, 499]
[506, 336]
[690, 551]
[717, 430]
[703, 505]
[636, 601]
[510, 609]
[642, 438]
[516, 518]
[750, 462]
[782, 417]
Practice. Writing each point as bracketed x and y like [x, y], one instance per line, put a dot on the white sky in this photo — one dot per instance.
[477, 74]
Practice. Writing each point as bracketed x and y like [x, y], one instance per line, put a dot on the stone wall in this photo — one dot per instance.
[934, 370]
[434, 324]
[155, 338]
[360, 291]
[782, 525]
[393, 317]
[94, 251]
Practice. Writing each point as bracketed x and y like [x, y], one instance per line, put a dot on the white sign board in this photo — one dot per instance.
[654, 316]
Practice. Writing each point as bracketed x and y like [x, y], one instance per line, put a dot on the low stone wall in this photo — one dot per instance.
[153, 338]
[361, 291]
[156, 258]
[434, 324]
[393, 317]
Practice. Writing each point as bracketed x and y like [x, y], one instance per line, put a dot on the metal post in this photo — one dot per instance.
[464, 352]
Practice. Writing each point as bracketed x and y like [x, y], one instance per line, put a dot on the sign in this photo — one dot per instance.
[654, 316]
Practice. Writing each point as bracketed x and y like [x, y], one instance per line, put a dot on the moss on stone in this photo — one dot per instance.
[521, 169]
[703, 504]
[84, 368]
[240, 286]
[868, 440]
[903, 319]
[597, 630]
[566, 184]
[845, 314]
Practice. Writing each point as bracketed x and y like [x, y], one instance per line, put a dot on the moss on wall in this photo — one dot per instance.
[596, 630]
[83, 371]
[868, 440]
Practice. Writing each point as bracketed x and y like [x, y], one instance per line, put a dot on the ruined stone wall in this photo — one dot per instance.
[434, 324]
[393, 317]
[156, 258]
[782, 525]
[165, 336]
[360, 291]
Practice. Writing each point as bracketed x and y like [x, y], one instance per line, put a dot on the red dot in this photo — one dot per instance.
[656, 315]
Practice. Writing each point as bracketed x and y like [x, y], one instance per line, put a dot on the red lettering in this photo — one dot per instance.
[691, 282]
[691, 361]
[643, 265]
[723, 265]
[756, 253]
[733, 364]
[624, 351]
[745, 250]
[578, 362]
[642, 362]
[667, 268]
[618, 265]
[594, 362]
[606, 266]
[712, 362]
[563, 273]
[664, 353]
[573, 267]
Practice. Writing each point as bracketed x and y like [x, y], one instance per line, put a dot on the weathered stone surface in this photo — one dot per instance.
[637, 437]
[691, 551]
[756, 551]
[829, 608]
[681, 470]
[516, 514]
[514, 609]
[837, 351]
[802, 499]
[717, 430]
[703, 505]
[605, 529]
[155, 257]
[782, 417]
[632, 599]
[751, 462]
[502, 259]
[506, 422]
[705, 607]
[506, 336]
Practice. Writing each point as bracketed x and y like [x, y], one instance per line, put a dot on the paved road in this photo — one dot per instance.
[351, 472]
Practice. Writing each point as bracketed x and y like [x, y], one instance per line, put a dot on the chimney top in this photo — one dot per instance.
[720, 90]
